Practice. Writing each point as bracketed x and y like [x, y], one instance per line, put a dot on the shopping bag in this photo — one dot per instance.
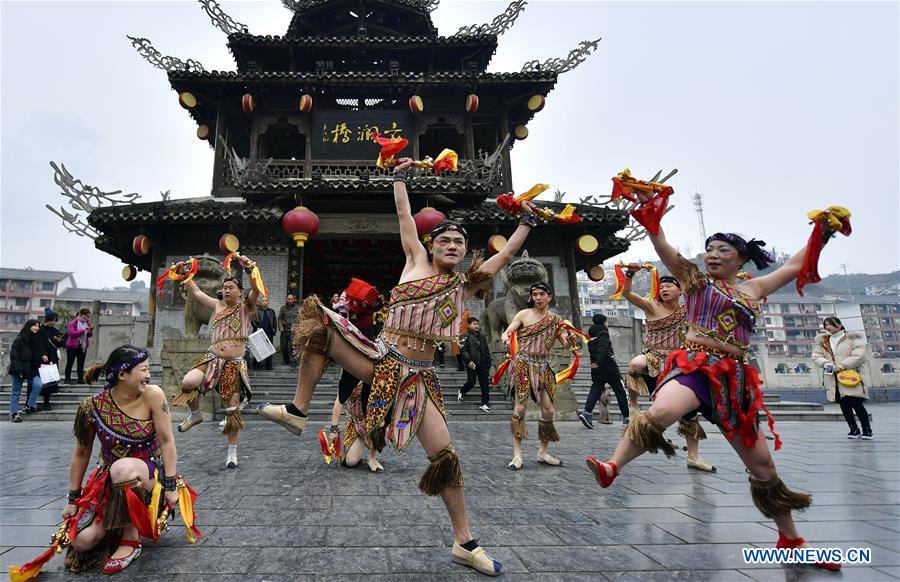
[49, 373]
[260, 345]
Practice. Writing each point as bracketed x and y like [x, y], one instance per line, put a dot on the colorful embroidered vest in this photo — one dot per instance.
[666, 334]
[537, 339]
[722, 312]
[121, 435]
[426, 310]
[231, 325]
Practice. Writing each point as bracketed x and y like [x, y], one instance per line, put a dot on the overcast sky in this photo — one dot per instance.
[768, 109]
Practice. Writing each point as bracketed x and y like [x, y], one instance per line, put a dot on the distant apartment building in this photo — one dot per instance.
[25, 293]
[119, 301]
[593, 297]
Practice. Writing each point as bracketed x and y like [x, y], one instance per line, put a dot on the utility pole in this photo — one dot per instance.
[846, 278]
[698, 206]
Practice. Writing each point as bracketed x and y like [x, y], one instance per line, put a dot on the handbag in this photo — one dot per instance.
[849, 378]
[49, 373]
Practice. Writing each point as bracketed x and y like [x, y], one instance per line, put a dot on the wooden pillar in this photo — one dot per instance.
[470, 137]
[571, 272]
[220, 145]
[504, 131]
[157, 260]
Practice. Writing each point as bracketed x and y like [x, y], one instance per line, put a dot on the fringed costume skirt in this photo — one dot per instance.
[730, 392]
[528, 376]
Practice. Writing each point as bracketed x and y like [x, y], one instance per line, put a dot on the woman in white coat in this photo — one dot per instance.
[838, 350]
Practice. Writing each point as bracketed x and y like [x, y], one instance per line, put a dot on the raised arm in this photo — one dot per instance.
[199, 296]
[409, 238]
[669, 255]
[768, 284]
[255, 291]
[641, 303]
[508, 252]
[81, 454]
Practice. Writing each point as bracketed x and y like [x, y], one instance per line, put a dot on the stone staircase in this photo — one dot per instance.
[277, 385]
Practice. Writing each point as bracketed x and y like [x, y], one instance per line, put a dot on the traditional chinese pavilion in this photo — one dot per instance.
[293, 125]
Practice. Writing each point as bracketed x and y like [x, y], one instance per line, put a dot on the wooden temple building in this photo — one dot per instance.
[293, 125]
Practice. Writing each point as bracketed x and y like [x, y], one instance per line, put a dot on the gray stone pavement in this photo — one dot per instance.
[284, 514]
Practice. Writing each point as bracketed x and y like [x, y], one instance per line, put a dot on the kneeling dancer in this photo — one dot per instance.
[710, 374]
[531, 335]
[136, 485]
[424, 309]
[223, 368]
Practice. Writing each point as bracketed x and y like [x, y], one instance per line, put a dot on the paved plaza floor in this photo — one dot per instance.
[284, 514]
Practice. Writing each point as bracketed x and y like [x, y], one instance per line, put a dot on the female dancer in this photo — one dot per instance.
[223, 367]
[425, 308]
[665, 325]
[710, 374]
[835, 351]
[536, 329]
[131, 419]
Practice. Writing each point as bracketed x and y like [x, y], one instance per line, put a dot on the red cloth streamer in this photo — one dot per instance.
[33, 568]
[809, 271]
[620, 191]
[650, 214]
[620, 283]
[509, 203]
[389, 147]
[140, 518]
[513, 350]
[324, 445]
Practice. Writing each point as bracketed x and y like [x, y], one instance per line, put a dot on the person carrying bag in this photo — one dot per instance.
[840, 354]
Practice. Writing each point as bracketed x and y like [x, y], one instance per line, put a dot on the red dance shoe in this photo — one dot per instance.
[604, 473]
[118, 564]
[785, 542]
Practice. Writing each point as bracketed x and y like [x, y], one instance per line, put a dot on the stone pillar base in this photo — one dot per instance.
[176, 358]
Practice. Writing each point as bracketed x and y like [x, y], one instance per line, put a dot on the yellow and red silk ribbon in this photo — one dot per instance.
[255, 275]
[173, 274]
[504, 365]
[621, 279]
[649, 213]
[513, 204]
[568, 374]
[446, 161]
[330, 448]
[826, 223]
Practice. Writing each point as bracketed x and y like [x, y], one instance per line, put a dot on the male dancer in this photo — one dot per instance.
[665, 328]
[223, 368]
[530, 374]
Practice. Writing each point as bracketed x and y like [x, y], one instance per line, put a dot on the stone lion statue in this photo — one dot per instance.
[209, 278]
[520, 275]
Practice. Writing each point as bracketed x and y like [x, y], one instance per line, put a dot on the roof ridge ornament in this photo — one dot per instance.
[425, 5]
[557, 65]
[500, 24]
[160, 61]
[84, 198]
[221, 20]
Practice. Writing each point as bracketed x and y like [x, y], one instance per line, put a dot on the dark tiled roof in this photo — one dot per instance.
[374, 41]
[33, 274]
[428, 184]
[490, 212]
[192, 210]
[352, 77]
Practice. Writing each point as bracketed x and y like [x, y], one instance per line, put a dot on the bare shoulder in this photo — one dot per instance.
[154, 394]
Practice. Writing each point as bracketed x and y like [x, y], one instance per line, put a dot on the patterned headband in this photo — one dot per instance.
[542, 286]
[670, 279]
[446, 225]
[752, 249]
[125, 366]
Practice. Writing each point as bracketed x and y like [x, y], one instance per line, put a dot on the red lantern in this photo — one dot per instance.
[426, 219]
[140, 245]
[300, 224]
[416, 105]
[247, 103]
[229, 243]
[496, 243]
[536, 103]
[472, 102]
[306, 103]
[587, 244]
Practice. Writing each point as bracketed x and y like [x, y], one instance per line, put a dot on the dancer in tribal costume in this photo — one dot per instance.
[137, 478]
[711, 373]
[665, 328]
[223, 368]
[405, 399]
[536, 329]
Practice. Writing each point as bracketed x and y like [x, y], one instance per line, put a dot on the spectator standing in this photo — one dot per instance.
[265, 320]
[25, 357]
[52, 341]
[477, 357]
[837, 351]
[77, 341]
[287, 315]
[604, 370]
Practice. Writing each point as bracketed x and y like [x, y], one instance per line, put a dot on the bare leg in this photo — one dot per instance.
[518, 410]
[122, 471]
[234, 402]
[693, 446]
[761, 465]
[547, 412]
[192, 381]
[312, 366]
[636, 367]
[355, 453]
[336, 409]
[434, 436]
[672, 402]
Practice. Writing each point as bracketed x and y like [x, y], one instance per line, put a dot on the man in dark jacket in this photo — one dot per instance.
[477, 358]
[287, 315]
[604, 370]
[52, 342]
[265, 320]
